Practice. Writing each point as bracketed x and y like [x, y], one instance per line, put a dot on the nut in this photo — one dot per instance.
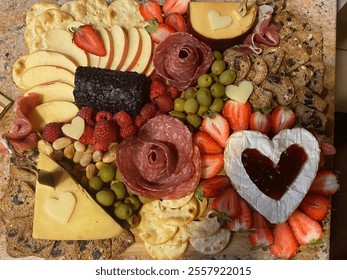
[89, 149]
[109, 157]
[113, 147]
[79, 146]
[77, 156]
[58, 155]
[91, 170]
[69, 151]
[44, 147]
[61, 143]
[97, 155]
[85, 159]
[99, 164]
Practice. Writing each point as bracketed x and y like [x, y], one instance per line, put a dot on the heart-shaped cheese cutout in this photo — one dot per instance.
[241, 92]
[217, 21]
[74, 129]
[276, 211]
[60, 207]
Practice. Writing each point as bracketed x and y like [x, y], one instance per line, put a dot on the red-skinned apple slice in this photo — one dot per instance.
[120, 47]
[146, 52]
[106, 61]
[135, 45]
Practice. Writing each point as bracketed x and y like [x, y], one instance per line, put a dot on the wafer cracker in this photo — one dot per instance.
[207, 225]
[179, 238]
[176, 203]
[166, 252]
[38, 8]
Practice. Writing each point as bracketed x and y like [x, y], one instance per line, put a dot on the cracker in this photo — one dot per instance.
[309, 118]
[93, 249]
[312, 42]
[239, 62]
[317, 82]
[290, 22]
[273, 57]
[17, 71]
[14, 228]
[301, 76]
[166, 252]
[295, 56]
[176, 203]
[260, 99]
[211, 244]
[52, 19]
[38, 8]
[63, 250]
[202, 207]
[281, 87]
[121, 242]
[258, 71]
[207, 225]
[305, 96]
[180, 237]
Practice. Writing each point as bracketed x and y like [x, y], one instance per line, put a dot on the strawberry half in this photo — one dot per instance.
[316, 206]
[305, 229]
[206, 143]
[285, 245]
[260, 122]
[325, 183]
[175, 6]
[211, 165]
[238, 114]
[217, 127]
[227, 202]
[158, 31]
[88, 39]
[244, 220]
[212, 187]
[262, 234]
[176, 21]
[150, 9]
[282, 118]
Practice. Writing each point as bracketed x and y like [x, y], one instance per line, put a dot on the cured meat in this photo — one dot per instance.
[161, 162]
[181, 59]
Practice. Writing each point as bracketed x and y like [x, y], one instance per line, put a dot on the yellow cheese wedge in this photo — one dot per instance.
[81, 218]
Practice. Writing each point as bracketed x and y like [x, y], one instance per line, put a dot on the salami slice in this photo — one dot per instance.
[161, 162]
[181, 59]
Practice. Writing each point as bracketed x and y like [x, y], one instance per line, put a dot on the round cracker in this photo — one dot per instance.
[166, 252]
[179, 216]
[151, 229]
[52, 19]
[211, 244]
[179, 238]
[38, 8]
[176, 203]
[204, 227]
[29, 33]
[17, 70]
[202, 207]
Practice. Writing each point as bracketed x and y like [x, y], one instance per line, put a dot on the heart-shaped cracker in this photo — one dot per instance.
[74, 129]
[217, 21]
[276, 211]
[60, 207]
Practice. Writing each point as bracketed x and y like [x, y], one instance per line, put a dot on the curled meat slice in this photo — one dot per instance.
[181, 59]
[161, 162]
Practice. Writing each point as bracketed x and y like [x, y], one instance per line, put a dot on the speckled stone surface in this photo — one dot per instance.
[12, 25]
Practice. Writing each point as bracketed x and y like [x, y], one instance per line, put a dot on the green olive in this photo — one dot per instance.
[133, 201]
[205, 80]
[133, 221]
[202, 110]
[95, 183]
[218, 55]
[227, 77]
[107, 172]
[179, 104]
[179, 115]
[191, 106]
[204, 97]
[218, 90]
[218, 67]
[190, 92]
[123, 211]
[119, 176]
[105, 197]
[119, 189]
[145, 200]
[194, 120]
[217, 105]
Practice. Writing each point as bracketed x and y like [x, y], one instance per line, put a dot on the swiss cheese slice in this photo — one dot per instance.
[87, 221]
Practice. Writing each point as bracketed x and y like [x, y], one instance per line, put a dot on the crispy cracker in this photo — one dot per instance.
[312, 42]
[52, 19]
[121, 243]
[309, 118]
[258, 71]
[14, 229]
[165, 251]
[301, 76]
[273, 57]
[260, 99]
[306, 97]
[239, 62]
[317, 82]
[281, 87]
[63, 250]
[93, 249]
[18, 69]
[38, 8]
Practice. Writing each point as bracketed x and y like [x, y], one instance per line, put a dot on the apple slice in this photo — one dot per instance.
[146, 52]
[61, 41]
[106, 61]
[44, 74]
[120, 47]
[53, 91]
[54, 111]
[134, 51]
[45, 57]
[150, 67]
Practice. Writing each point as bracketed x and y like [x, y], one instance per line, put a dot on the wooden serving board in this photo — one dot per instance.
[12, 25]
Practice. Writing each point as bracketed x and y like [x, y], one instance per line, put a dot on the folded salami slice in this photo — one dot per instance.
[161, 162]
[181, 59]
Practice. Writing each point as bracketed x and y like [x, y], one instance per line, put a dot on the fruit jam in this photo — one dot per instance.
[273, 180]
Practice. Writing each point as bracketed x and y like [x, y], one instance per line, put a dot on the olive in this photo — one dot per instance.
[179, 115]
[117, 203]
[218, 67]
[217, 105]
[179, 104]
[218, 55]
[123, 211]
[227, 77]
[191, 106]
[95, 183]
[133, 201]
[215, 78]
[218, 90]
[118, 176]
[133, 221]
[105, 197]
[190, 92]
[205, 80]
[145, 200]
[194, 120]
[204, 97]
[202, 110]
[119, 189]
[107, 172]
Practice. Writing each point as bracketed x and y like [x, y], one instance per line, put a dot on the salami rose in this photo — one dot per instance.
[181, 59]
[161, 162]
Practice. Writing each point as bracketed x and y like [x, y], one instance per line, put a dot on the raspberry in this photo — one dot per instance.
[139, 121]
[105, 132]
[148, 111]
[165, 103]
[103, 115]
[52, 131]
[156, 89]
[88, 114]
[126, 132]
[123, 119]
[173, 92]
[87, 136]
[156, 77]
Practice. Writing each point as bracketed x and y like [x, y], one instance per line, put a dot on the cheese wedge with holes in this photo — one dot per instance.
[80, 218]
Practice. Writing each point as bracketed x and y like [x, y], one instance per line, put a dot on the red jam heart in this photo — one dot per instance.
[274, 180]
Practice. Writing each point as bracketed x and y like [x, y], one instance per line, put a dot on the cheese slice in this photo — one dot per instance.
[87, 220]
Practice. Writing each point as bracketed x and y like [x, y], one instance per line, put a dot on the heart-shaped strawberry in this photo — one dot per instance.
[300, 154]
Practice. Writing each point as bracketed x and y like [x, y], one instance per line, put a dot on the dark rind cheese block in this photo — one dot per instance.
[109, 90]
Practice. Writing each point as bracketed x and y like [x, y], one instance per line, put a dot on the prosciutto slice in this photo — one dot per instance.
[181, 59]
[161, 162]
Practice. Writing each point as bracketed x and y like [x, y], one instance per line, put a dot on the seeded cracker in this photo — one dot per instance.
[166, 252]
[14, 228]
[121, 242]
[38, 8]
[63, 249]
[281, 87]
[93, 249]
[273, 57]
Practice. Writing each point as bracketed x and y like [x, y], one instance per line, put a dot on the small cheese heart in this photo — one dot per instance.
[279, 208]
[241, 92]
[61, 207]
[74, 129]
[217, 21]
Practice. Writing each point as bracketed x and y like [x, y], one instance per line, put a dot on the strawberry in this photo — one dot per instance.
[173, 92]
[260, 122]
[88, 114]
[227, 202]
[150, 9]
[165, 103]
[156, 89]
[238, 114]
[176, 21]
[212, 187]
[123, 119]
[148, 111]
[211, 165]
[282, 118]
[285, 245]
[87, 136]
[158, 31]
[105, 132]
[103, 115]
[261, 235]
[206, 143]
[244, 220]
[52, 131]
[316, 206]
[175, 6]
[217, 127]
[126, 132]
[88, 39]
[305, 229]
[325, 183]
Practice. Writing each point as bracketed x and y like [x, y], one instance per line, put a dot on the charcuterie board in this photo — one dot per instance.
[321, 15]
